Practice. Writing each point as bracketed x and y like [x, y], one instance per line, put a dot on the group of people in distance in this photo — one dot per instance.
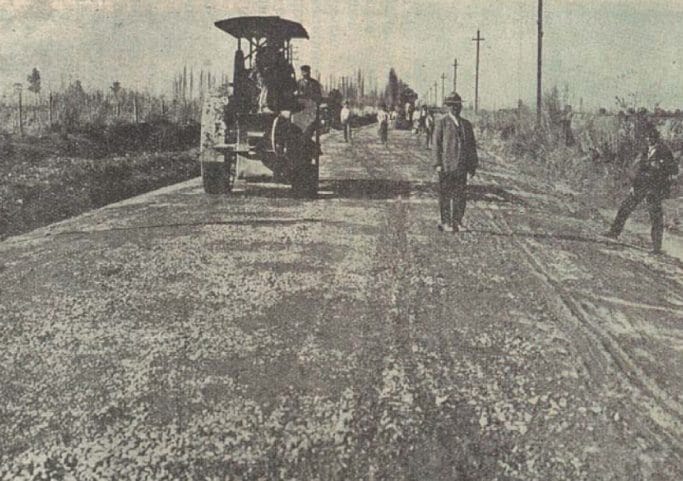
[455, 149]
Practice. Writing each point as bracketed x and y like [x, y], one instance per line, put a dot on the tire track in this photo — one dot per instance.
[604, 358]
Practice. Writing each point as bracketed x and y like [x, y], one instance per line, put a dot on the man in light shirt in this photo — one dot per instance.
[345, 118]
[455, 155]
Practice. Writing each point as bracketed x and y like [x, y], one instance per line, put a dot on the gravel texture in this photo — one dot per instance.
[257, 336]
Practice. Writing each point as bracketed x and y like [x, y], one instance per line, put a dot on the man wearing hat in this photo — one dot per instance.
[455, 154]
[657, 171]
[308, 87]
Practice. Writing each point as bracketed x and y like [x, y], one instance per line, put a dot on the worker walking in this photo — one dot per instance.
[383, 123]
[345, 119]
[657, 171]
[455, 155]
[428, 127]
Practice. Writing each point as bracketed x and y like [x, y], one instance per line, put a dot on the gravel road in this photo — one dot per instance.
[258, 336]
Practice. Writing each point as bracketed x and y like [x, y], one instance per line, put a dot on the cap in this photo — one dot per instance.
[453, 99]
[305, 68]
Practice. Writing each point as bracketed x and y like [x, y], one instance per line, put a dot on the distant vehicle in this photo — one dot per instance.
[261, 117]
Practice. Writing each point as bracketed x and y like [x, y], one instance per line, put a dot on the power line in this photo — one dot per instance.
[538, 71]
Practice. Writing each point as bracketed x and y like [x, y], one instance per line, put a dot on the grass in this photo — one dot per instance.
[50, 178]
[599, 161]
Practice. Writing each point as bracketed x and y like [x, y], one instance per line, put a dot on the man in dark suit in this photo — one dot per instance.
[308, 87]
[455, 154]
[657, 171]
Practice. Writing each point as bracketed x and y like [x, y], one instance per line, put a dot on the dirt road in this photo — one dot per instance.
[258, 336]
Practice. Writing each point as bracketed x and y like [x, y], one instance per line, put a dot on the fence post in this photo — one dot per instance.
[49, 109]
[17, 89]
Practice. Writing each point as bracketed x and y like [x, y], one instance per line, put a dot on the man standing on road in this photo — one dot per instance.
[309, 88]
[455, 154]
[429, 128]
[657, 171]
[383, 123]
[345, 118]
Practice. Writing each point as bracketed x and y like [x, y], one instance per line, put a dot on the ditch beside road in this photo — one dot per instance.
[260, 336]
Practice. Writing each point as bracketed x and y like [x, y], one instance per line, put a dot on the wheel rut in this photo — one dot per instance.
[601, 355]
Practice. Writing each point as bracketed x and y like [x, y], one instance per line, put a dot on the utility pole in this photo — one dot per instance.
[17, 89]
[538, 72]
[443, 88]
[476, 78]
[436, 94]
[455, 75]
[50, 109]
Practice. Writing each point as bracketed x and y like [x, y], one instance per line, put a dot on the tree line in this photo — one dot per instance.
[74, 106]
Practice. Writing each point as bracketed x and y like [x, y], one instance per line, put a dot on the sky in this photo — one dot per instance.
[594, 50]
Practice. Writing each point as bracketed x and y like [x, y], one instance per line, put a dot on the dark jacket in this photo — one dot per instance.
[310, 89]
[655, 167]
[455, 148]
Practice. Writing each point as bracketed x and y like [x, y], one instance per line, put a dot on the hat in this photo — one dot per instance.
[452, 99]
[305, 68]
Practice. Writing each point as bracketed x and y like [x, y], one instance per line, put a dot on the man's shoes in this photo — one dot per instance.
[656, 252]
[445, 228]
[462, 228]
[610, 234]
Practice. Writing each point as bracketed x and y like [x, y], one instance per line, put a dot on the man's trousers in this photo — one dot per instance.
[452, 197]
[347, 131]
[654, 197]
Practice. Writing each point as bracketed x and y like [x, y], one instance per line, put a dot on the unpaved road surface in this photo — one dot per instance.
[258, 336]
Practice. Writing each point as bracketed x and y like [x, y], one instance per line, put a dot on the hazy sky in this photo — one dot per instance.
[598, 48]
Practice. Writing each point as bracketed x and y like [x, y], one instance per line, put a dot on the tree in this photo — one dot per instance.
[34, 81]
[116, 89]
[72, 107]
[34, 86]
[392, 91]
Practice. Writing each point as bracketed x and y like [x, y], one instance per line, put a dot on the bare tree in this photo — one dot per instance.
[116, 89]
[34, 86]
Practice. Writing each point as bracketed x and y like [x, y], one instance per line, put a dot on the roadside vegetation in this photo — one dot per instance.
[589, 153]
[69, 151]
[53, 177]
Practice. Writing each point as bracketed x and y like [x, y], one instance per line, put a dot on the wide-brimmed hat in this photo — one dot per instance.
[453, 99]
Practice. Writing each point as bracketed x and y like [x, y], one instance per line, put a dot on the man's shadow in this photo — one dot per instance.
[554, 236]
[372, 189]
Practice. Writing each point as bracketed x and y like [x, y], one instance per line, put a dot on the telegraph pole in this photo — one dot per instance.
[455, 75]
[443, 88]
[17, 89]
[538, 72]
[476, 80]
[436, 94]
